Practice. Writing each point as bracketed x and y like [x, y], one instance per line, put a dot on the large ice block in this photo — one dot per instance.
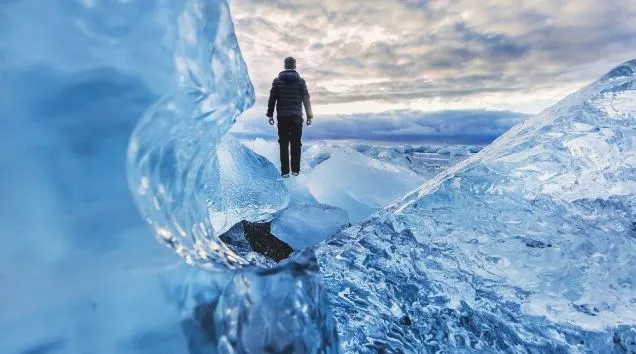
[530, 245]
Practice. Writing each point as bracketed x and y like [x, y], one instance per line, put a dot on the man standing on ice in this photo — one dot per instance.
[289, 93]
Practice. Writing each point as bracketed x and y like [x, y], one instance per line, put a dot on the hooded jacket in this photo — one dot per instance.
[289, 93]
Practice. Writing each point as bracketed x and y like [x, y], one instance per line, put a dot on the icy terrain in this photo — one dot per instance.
[369, 176]
[529, 245]
[178, 158]
[526, 246]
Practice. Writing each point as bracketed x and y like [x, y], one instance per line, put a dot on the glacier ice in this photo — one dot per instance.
[252, 188]
[355, 187]
[319, 196]
[424, 160]
[282, 310]
[80, 271]
[528, 246]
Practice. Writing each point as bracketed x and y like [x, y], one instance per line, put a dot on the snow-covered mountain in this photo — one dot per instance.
[529, 245]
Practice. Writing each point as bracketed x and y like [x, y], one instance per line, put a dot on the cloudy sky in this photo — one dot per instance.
[382, 57]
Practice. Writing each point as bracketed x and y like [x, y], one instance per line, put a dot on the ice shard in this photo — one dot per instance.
[528, 246]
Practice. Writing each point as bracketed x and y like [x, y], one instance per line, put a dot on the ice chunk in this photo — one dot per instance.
[265, 148]
[626, 69]
[306, 222]
[359, 184]
[529, 245]
[252, 187]
[80, 272]
[190, 184]
[280, 310]
[305, 225]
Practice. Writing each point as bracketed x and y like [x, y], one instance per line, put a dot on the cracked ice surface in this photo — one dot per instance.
[528, 245]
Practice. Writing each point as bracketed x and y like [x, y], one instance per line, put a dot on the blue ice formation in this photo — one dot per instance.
[528, 246]
[80, 272]
[190, 182]
[281, 310]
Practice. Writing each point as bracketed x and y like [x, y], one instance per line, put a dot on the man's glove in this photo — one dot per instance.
[271, 120]
[309, 121]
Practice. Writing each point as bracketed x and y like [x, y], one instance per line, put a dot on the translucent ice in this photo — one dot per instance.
[190, 184]
[305, 225]
[283, 310]
[252, 188]
[526, 247]
[80, 272]
[359, 184]
[529, 245]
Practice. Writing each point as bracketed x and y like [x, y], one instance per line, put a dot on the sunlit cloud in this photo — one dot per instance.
[375, 56]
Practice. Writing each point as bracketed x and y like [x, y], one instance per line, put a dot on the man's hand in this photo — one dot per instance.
[271, 120]
[309, 121]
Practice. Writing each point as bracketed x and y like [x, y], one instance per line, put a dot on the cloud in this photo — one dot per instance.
[488, 54]
[454, 127]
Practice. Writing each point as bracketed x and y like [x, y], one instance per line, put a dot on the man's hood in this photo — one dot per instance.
[288, 75]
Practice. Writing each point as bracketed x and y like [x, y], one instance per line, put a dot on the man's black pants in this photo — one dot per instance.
[290, 130]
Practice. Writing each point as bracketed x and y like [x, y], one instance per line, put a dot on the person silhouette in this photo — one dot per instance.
[288, 94]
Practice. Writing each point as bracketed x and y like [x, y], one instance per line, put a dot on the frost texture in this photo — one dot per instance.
[529, 245]
[190, 184]
[252, 188]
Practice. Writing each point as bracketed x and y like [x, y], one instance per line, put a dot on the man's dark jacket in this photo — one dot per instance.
[289, 93]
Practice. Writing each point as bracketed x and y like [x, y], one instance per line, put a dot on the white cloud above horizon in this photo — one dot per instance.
[415, 55]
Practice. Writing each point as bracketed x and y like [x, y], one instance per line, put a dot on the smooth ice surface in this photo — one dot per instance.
[190, 184]
[306, 222]
[529, 245]
[305, 225]
[359, 184]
